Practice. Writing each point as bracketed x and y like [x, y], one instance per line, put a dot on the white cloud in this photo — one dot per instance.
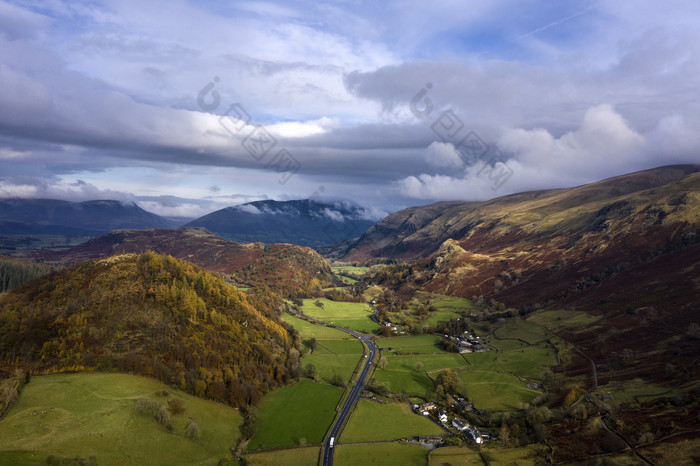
[248, 208]
[333, 215]
[443, 155]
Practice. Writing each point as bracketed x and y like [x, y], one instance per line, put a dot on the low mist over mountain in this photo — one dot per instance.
[304, 222]
[91, 218]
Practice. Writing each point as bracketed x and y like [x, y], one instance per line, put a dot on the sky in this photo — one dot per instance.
[186, 107]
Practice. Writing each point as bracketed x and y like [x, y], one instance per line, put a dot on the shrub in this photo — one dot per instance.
[163, 415]
[176, 406]
[192, 431]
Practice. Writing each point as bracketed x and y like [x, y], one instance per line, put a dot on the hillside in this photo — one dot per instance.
[287, 268]
[629, 241]
[92, 418]
[304, 222]
[91, 218]
[151, 315]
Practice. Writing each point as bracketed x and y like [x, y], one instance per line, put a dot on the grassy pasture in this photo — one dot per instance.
[494, 390]
[559, 319]
[526, 361]
[516, 328]
[355, 316]
[309, 330]
[462, 456]
[381, 454]
[288, 457]
[402, 375]
[350, 269]
[93, 414]
[412, 344]
[294, 415]
[372, 421]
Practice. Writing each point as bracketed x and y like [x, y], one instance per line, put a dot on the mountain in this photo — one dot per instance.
[91, 218]
[152, 315]
[628, 240]
[287, 268]
[304, 222]
[417, 232]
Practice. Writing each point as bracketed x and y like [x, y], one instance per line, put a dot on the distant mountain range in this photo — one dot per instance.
[304, 222]
[91, 218]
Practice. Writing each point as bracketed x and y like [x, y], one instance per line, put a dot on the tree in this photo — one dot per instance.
[176, 406]
[418, 366]
[163, 415]
[250, 422]
[504, 435]
[383, 362]
[318, 303]
[310, 371]
[449, 380]
[337, 380]
[192, 431]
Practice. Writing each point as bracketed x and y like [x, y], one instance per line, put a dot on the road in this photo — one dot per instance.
[352, 398]
[354, 395]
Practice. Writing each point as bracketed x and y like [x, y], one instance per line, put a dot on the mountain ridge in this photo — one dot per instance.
[305, 222]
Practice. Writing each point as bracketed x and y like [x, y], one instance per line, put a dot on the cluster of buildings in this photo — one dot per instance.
[461, 425]
[468, 343]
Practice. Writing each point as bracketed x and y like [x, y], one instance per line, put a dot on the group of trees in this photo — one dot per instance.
[13, 273]
[151, 315]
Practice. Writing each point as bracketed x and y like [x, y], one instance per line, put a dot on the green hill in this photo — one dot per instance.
[151, 315]
[83, 416]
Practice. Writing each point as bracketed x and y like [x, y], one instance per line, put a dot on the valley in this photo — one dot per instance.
[549, 327]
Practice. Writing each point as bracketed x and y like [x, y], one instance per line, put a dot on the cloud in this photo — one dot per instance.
[107, 93]
[249, 209]
[443, 155]
[604, 145]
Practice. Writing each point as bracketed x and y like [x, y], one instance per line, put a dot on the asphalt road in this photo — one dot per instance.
[354, 391]
[351, 399]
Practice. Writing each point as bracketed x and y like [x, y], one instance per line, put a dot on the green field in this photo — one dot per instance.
[462, 456]
[372, 421]
[448, 307]
[516, 328]
[93, 414]
[494, 390]
[355, 316]
[309, 330]
[351, 269]
[412, 344]
[560, 319]
[335, 357]
[295, 415]
[403, 377]
[288, 457]
[381, 454]
[455, 456]
[528, 361]
[624, 391]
